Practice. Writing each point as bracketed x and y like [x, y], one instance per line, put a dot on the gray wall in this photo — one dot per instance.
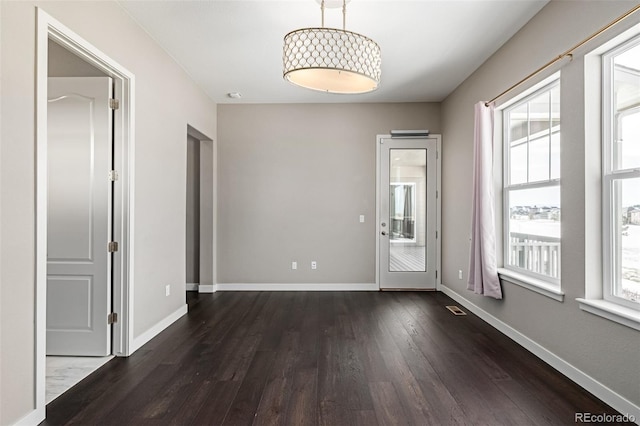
[292, 182]
[605, 350]
[166, 102]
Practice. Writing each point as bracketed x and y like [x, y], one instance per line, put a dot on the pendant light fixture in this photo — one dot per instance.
[331, 60]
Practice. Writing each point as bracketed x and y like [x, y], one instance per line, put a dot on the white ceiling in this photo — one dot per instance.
[428, 46]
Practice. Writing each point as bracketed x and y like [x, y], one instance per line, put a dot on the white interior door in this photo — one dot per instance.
[408, 214]
[79, 216]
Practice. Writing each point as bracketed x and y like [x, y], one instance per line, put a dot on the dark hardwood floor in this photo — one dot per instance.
[326, 358]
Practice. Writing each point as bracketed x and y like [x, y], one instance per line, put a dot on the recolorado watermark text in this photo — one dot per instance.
[603, 418]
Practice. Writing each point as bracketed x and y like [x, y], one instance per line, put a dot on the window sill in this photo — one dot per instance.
[535, 285]
[611, 311]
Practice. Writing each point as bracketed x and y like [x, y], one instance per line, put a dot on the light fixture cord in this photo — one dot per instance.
[322, 12]
[344, 15]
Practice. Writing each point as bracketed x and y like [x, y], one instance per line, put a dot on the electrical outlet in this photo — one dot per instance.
[361, 218]
[314, 265]
[459, 274]
[167, 290]
[294, 265]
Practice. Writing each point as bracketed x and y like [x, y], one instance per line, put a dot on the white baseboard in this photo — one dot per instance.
[139, 341]
[33, 418]
[297, 287]
[609, 396]
[208, 288]
[192, 286]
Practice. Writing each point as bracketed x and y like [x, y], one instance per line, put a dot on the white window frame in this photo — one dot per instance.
[611, 257]
[535, 281]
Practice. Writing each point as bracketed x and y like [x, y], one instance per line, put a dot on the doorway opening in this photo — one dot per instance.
[68, 234]
[192, 272]
[79, 219]
[200, 235]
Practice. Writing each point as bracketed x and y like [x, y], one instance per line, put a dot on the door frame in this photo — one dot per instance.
[47, 28]
[438, 140]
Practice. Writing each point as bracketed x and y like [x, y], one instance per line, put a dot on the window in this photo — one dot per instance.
[531, 189]
[621, 174]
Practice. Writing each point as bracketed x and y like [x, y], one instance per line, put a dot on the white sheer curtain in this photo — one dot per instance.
[483, 274]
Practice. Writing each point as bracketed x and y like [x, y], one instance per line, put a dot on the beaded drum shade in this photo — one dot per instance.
[331, 60]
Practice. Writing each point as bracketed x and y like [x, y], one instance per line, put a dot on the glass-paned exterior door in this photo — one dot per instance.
[407, 173]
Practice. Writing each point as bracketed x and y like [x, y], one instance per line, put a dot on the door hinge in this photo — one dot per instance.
[437, 194]
[113, 175]
[437, 155]
[114, 103]
[112, 318]
[436, 235]
[436, 274]
[112, 247]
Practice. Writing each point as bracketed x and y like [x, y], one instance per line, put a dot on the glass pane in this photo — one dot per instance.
[555, 106]
[628, 240]
[407, 210]
[626, 149]
[539, 110]
[534, 138]
[518, 164]
[629, 142]
[555, 155]
[555, 133]
[518, 127]
[539, 159]
[534, 230]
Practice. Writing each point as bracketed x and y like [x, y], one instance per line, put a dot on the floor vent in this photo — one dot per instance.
[455, 310]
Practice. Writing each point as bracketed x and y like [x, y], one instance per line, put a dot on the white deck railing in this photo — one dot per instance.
[535, 253]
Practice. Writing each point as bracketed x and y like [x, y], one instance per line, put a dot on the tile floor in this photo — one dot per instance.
[63, 372]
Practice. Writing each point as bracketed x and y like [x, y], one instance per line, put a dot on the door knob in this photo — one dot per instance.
[384, 233]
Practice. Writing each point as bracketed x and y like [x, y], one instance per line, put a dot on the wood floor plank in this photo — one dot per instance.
[280, 380]
[388, 408]
[302, 408]
[364, 325]
[244, 407]
[406, 363]
[218, 401]
[325, 358]
[365, 418]
[272, 408]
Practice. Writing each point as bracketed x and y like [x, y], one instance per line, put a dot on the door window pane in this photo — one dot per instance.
[407, 210]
